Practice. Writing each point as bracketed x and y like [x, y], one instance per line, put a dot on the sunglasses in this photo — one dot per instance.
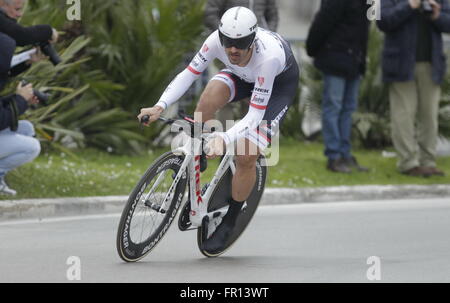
[240, 43]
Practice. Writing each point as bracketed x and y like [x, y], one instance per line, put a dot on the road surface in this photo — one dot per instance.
[386, 241]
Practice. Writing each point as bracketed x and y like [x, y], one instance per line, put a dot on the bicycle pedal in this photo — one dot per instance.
[155, 207]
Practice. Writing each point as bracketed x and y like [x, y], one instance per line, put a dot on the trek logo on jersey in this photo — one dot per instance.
[205, 48]
[201, 57]
[198, 60]
[263, 91]
[261, 81]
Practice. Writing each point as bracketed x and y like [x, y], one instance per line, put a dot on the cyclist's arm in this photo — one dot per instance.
[192, 72]
[177, 88]
[262, 91]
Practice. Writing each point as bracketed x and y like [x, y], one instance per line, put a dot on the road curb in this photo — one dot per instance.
[46, 208]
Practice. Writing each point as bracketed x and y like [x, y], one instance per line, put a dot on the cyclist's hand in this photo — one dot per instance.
[153, 112]
[215, 147]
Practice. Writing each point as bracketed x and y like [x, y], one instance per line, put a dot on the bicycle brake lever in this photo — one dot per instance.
[146, 119]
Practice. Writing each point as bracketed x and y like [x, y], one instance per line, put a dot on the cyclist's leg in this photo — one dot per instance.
[242, 185]
[215, 96]
[245, 175]
[222, 89]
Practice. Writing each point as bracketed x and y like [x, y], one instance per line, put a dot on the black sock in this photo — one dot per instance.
[233, 212]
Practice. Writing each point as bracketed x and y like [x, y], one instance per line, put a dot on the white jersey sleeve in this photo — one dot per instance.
[181, 83]
[265, 77]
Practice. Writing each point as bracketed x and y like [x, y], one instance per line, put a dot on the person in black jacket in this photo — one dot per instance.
[10, 12]
[17, 145]
[338, 40]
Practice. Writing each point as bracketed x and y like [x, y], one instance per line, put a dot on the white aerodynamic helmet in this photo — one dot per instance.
[238, 28]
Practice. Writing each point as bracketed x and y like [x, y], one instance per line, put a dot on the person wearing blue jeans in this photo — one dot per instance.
[17, 142]
[16, 148]
[340, 99]
[337, 40]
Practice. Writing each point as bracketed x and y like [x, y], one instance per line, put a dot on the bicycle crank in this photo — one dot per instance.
[154, 207]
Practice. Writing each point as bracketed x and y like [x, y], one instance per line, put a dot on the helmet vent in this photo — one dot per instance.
[237, 12]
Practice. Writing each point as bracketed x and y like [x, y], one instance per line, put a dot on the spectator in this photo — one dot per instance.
[338, 40]
[414, 66]
[17, 145]
[266, 12]
[10, 12]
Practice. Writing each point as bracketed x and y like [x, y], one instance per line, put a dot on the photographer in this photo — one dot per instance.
[414, 65]
[10, 12]
[17, 145]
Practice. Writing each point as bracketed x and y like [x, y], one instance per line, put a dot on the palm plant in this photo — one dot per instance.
[371, 120]
[133, 50]
[311, 86]
[142, 45]
[77, 109]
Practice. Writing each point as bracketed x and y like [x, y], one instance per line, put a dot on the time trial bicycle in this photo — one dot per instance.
[153, 204]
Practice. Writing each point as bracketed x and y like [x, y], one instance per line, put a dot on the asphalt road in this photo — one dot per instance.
[322, 242]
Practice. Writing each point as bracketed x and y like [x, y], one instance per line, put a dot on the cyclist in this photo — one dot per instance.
[260, 65]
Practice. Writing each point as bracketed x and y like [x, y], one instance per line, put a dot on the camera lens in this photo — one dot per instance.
[49, 51]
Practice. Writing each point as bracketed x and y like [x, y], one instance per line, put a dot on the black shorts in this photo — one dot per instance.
[283, 93]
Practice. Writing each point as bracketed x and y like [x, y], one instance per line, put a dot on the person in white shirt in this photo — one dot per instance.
[260, 65]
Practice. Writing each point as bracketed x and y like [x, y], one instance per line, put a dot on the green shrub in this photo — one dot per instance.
[119, 58]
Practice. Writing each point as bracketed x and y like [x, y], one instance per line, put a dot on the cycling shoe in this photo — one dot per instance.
[218, 240]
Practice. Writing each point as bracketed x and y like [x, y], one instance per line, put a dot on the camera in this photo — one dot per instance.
[48, 50]
[426, 7]
[42, 97]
